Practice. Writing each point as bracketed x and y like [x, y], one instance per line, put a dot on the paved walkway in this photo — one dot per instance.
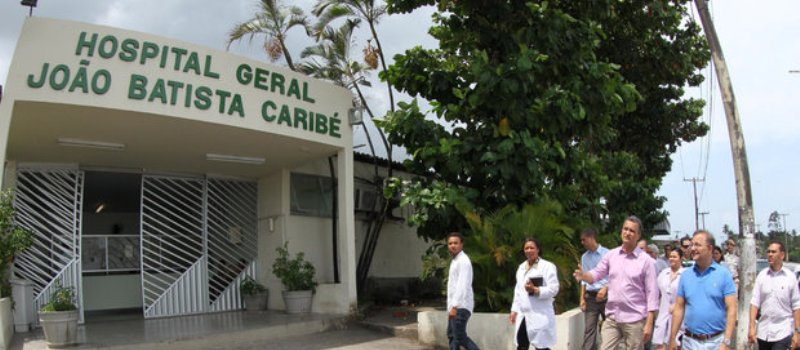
[353, 338]
[242, 331]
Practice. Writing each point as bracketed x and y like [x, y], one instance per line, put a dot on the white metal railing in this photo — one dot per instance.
[48, 202]
[110, 253]
[172, 246]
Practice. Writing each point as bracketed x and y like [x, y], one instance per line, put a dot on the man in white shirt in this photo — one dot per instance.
[731, 259]
[776, 295]
[459, 294]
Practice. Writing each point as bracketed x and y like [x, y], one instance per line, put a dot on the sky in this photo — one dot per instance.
[758, 41]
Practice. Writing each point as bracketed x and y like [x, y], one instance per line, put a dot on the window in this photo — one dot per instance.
[312, 195]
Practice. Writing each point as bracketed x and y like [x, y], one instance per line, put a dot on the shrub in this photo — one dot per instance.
[250, 286]
[13, 239]
[62, 299]
[295, 274]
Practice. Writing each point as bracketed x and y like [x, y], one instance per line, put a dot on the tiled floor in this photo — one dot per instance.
[131, 331]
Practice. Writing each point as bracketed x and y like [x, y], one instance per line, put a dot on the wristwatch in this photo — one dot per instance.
[727, 342]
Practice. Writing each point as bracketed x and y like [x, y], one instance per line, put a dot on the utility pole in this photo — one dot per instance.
[744, 197]
[786, 232]
[694, 182]
[703, 214]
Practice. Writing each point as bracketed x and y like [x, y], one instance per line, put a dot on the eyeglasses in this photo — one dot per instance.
[686, 245]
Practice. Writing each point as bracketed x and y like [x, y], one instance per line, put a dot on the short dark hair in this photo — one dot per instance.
[589, 232]
[686, 238]
[636, 221]
[677, 251]
[780, 245]
[721, 253]
[535, 241]
[456, 234]
[709, 237]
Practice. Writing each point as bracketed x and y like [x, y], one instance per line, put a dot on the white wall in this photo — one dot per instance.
[112, 292]
[492, 331]
[395, 233]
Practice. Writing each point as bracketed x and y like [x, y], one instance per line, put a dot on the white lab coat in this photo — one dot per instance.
[537, 310]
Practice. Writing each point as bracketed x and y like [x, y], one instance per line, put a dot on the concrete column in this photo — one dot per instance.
[347, 233]
[24, 306]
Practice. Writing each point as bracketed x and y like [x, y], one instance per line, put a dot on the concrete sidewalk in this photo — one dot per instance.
[352, 338]
[241, 330]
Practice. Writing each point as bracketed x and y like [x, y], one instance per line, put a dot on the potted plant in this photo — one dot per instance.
[59, 318]
[254, 294]
[297, 276]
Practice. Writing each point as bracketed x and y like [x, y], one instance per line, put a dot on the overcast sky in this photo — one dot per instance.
[759, 41]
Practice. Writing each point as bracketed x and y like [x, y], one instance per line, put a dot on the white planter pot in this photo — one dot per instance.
[60, 327]
[298, 301]
[6, 323]
[256, 302]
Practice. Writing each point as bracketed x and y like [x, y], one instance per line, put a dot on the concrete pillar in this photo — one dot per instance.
[24, 306]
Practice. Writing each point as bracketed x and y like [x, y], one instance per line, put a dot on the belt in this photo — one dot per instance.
[592, 291]
[700, 336]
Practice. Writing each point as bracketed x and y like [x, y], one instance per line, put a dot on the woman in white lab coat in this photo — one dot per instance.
[532, 311]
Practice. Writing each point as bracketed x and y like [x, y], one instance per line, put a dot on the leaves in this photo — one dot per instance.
[569, 100]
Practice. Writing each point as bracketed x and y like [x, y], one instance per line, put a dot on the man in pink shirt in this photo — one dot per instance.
[776, 296]
[632, 290]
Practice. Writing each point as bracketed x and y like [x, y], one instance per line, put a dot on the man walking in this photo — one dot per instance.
[459, 294]
[776, 295]
[686, 244]
[732, 260]
[593, 296]
[632, 291]
[707, 298]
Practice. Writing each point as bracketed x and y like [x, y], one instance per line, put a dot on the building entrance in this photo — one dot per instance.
[167, 245]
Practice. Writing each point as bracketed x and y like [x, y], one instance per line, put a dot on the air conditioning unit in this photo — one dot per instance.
[366, 199]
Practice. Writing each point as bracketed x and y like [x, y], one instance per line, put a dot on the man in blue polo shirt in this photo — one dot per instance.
[707, 297]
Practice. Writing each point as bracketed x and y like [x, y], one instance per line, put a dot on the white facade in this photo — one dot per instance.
[86, 98]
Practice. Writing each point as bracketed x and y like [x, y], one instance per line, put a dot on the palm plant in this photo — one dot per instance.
[273, 21]
[330, 59]
[329, 10]
[364, 10]
[495, 247]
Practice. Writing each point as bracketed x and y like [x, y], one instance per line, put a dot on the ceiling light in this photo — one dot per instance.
[234, 159]
[110, 146]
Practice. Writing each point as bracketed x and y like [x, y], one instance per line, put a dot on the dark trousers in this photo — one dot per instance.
[594, 310]
[523, 343]
[783, 344]
[457, 331]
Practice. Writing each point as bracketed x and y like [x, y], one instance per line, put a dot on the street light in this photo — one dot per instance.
[29, 3]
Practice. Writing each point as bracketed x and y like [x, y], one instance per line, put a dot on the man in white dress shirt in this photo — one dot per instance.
[459, 294]
[776, 295]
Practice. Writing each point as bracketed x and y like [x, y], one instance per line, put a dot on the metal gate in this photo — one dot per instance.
[48, 202]
[198, 242]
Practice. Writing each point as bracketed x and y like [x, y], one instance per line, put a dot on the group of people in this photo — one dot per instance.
[532, 312]
[677, 306]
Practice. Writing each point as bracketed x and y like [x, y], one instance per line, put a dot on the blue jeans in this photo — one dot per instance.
[457, 331]
[709, 344]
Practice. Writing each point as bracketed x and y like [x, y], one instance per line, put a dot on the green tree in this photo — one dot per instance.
[563, 99]
[273, 21]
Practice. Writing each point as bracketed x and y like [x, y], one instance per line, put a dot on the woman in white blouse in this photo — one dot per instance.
[532, 311]
[668, 285]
